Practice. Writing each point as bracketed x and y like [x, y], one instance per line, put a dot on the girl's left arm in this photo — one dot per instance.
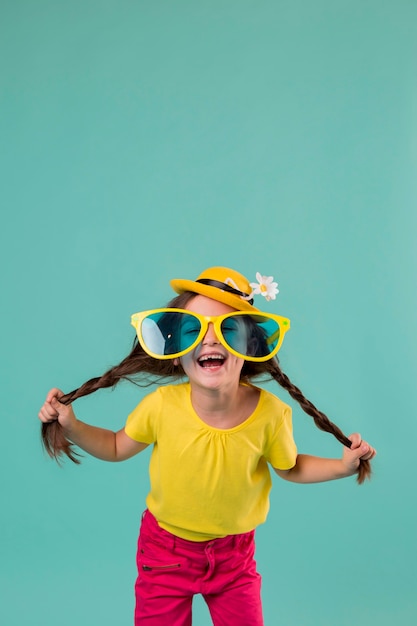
[313, 469]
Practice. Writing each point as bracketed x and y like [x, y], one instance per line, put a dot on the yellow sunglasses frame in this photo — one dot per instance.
[216, 320]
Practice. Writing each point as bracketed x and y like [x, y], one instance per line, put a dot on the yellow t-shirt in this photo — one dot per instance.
[209, 482]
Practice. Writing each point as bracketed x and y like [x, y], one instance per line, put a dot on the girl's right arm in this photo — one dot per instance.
[99, 442]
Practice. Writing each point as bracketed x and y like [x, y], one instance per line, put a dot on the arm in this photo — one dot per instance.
[99, 442]
[313, 469]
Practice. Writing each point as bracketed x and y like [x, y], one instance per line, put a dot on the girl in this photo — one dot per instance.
[214, 437]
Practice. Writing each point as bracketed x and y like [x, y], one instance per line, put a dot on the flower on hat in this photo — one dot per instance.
[265, 286]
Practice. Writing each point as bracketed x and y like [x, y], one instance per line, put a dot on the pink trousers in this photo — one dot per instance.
[172, 570]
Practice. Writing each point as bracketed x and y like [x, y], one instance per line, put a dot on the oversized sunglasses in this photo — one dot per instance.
[171, 333]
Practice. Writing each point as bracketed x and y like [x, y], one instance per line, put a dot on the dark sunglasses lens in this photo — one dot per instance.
[251, 335]
[168, 333]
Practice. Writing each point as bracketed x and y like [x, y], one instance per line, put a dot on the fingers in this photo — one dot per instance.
[54, 393]
[51, 407]
[361, 448]
[48, 414]
[356, 440]
[368, 452]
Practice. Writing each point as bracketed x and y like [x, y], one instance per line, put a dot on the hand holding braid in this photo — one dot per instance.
[56, 415]
[320, 419]
[137, 362]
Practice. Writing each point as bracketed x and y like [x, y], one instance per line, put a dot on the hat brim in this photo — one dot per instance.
[179, 285]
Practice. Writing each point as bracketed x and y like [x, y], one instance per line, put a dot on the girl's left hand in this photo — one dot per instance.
[360, 450]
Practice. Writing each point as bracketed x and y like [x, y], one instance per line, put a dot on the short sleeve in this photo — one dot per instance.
[282, 451]
[141, 424]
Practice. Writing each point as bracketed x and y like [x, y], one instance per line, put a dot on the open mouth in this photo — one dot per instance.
[211, 360]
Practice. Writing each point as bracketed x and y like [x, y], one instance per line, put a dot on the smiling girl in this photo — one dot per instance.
[215, 436]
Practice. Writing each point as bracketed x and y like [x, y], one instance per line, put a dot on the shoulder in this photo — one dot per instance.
[172, 393]
[268, 401]
[162, 395]
[272, 412]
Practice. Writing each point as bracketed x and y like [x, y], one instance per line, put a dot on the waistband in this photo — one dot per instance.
[150, 523]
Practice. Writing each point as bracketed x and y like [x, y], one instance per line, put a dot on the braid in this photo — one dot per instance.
[138, 368]
[320, 419]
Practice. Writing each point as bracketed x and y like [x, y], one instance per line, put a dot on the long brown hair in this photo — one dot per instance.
[142, 369]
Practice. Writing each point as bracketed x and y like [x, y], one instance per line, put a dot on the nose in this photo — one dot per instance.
[210, 338]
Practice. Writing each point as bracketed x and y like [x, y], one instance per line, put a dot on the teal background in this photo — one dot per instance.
[142, 141]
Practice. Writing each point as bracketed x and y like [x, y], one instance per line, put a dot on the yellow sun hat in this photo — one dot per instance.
[228, 286]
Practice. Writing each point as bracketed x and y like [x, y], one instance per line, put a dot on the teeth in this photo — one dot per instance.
[207, 357]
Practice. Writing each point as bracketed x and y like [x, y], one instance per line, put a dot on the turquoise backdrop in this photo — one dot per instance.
[142, 141]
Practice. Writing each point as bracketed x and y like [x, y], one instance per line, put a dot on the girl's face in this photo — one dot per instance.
[210, 364]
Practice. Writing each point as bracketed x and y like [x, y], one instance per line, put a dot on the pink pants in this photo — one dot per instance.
[171, 570]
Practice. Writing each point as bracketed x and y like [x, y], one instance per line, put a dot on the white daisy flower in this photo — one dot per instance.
[265, 286]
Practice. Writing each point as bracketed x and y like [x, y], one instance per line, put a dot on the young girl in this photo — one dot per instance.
[214, 437]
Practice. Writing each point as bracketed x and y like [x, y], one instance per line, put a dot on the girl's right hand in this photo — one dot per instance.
[52, 410]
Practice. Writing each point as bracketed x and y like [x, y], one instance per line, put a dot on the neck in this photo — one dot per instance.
[215, 401]
[224, 408]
